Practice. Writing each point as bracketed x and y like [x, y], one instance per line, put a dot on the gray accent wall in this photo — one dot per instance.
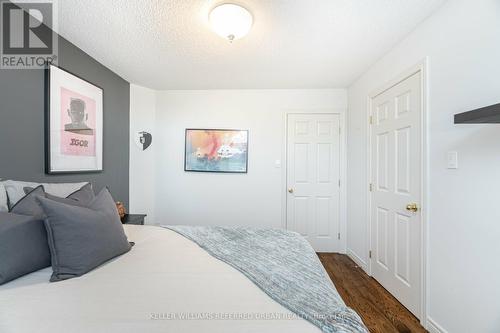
[22, 128]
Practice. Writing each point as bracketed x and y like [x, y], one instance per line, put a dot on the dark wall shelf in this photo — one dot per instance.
[487, 115]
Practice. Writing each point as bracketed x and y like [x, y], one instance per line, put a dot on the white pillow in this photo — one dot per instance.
[15, 189]
[4, 206]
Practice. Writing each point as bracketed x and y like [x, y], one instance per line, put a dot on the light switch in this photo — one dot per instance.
[452, 160]
[277, 164]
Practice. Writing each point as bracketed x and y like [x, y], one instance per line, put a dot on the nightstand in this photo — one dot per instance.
[134, 219]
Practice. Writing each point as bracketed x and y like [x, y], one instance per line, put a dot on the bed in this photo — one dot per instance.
[174, 279]
[148, 289]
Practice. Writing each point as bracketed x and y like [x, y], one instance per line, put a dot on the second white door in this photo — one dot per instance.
[396, 190]
[313, 178]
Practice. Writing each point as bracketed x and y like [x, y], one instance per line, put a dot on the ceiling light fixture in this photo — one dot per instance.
[230, 21]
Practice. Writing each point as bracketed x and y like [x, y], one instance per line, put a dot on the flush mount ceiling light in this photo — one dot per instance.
[230, 21]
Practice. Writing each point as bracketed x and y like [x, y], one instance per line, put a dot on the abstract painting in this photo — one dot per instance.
[74, 123]
[216, 150]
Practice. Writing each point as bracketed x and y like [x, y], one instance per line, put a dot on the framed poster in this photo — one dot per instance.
[74, 123]
[216, 150]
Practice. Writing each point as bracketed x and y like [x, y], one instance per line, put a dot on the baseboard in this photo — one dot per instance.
[360, 262]
[433, 327]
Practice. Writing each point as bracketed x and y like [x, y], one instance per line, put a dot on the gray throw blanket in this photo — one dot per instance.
[284, 266]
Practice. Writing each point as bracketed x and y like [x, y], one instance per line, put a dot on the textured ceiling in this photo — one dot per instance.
[293, 43]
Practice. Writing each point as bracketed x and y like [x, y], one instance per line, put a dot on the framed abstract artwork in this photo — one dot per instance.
[74, 123]
[216, 150]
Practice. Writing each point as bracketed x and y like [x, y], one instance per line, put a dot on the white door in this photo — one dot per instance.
[396, 189]
[313, 143]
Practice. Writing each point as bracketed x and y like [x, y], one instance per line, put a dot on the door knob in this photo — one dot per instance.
[412, 207]
[290, 190]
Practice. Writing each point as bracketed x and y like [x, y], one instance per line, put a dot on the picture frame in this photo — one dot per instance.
[73, 123]
[216, 150]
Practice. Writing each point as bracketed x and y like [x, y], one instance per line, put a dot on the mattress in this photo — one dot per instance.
[166, 283]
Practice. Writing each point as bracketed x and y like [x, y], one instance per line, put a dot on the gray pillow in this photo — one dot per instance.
[15, 189]
[82, 197]
[23, 246]
[4, 202]
[29, 205]
[80, 239]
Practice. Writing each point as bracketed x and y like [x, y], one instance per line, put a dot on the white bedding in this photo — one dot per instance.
[163, 276]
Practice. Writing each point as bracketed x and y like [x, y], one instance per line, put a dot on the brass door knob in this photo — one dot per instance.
[412, 207]
[290, 190]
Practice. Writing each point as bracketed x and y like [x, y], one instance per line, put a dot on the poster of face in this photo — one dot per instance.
[215, 150]
[75, 123]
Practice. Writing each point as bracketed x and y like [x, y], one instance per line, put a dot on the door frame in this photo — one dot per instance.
[421, 67]
[342, 167]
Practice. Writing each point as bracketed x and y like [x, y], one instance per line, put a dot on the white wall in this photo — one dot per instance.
[229, 199]
[142, 163]
[462, 42]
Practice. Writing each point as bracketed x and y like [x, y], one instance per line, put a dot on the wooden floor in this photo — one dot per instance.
[380, 311]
